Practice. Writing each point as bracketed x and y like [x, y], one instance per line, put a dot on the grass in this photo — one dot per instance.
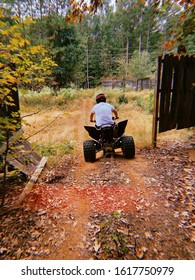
[61, 118]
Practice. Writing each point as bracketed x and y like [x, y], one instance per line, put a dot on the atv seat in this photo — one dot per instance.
[104, 126]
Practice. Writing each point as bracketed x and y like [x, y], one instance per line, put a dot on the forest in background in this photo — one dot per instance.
[64, 43]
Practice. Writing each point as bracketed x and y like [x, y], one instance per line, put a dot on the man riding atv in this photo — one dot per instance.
[106, 135]
[103, 111]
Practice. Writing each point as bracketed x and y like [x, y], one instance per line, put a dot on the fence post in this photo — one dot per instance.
[156, 102]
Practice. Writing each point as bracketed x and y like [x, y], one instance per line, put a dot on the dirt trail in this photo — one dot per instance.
[87, 194]
[111, 209]
[100, 188]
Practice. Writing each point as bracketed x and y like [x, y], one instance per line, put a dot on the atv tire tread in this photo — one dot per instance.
[128, 146]
[89, 151]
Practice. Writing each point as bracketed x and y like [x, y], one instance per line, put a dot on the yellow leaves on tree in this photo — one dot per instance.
[29, 61]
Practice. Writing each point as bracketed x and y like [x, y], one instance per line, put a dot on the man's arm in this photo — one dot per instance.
[115, 113]
[91, 116]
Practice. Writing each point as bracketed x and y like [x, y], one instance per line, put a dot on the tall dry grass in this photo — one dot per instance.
[61, 124]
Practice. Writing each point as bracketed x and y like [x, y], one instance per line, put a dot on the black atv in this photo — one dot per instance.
[107, 138]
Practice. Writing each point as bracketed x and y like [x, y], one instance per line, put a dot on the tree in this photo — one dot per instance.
[66, 53]
[20, 64]
[36, 8]
[175, 17]
[103, 35]
[140, 65]
[185, 18]
[33, 65]
[94, 43]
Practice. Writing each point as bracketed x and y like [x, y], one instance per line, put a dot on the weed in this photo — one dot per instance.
[145, 102]
[150, 105]
[122, 99]
[139, 101]
[113, 237]
[56, 150]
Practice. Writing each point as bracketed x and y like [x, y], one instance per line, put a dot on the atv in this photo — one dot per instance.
[107, 138]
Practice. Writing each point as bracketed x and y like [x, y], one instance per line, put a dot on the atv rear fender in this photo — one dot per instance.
[93, 132]
[96, 132]
[121, 128]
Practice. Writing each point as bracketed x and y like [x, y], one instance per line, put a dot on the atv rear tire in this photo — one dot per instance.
[128, 146]
[89, 151]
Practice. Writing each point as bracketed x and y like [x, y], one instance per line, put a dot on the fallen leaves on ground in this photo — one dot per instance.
[109, 213]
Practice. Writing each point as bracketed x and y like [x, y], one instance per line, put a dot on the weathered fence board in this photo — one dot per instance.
[186, 116]
[32, 180]
[23, 157]
[156, 100]
[175, 91]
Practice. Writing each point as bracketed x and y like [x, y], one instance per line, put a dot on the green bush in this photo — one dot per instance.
[139, 101]
[45, 98]
[150, 103]
[59, 149]
[146, 103]
[122, 99]
[68, 94]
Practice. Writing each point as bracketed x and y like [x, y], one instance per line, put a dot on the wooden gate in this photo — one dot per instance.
[174, 100]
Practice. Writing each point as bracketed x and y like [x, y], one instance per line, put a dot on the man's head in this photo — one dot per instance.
[100, 97]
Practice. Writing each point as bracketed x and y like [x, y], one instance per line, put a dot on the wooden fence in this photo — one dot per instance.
[174, 101]
[139, 84]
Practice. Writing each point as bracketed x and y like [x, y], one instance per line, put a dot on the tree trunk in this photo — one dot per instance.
[5, 168]
[127, 56]
[87, 65]
[140, 36]
[148, 38]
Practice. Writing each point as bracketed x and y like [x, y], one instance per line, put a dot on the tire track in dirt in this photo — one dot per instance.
[77, 233]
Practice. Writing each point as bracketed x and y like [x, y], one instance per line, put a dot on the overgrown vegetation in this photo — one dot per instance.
[55, 151]
[61, 124]
[146, 103]
[47, 97]
[67, 118]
